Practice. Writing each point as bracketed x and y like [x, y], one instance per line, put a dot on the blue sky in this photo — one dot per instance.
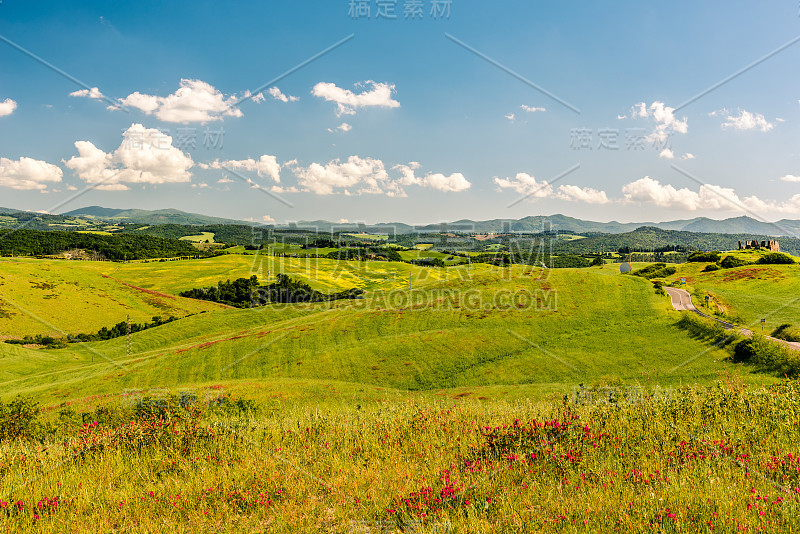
[402, 122]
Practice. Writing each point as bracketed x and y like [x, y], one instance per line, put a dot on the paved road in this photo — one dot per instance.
[682, 301]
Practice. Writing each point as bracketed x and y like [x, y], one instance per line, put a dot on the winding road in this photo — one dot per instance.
[682, 301]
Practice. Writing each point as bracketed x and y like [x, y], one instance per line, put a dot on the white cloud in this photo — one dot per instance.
[790, 178]
[707, 197]
[688, 155]
[344, 221]
[93, 93]
[7, 107]
[201, 185]
[745, 121]
[146, 156]
[455, 183]
[266, 166]
[648, 190]
[380, 95]
[525, 184]
[531, 109]
[620, 117]
[365, 175]
[344, 127]
[28, 174]
[194, 101]
[664, 117]
[267, 219]
[224, 180]
[582, 194]
[278, 95]
[667, 154]
[510, 117]
[358, 176]
[528, 186]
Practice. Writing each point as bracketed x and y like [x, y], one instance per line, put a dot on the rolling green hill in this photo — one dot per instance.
[581, 326]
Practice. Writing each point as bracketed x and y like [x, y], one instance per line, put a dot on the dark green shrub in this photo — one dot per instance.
[704, 256]
[656, 270]
[744, 351]
[711, 267]
[775, 258]
[729, 262]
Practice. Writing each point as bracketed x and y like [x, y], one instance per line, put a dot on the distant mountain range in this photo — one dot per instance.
[534, 223]
[155, 217]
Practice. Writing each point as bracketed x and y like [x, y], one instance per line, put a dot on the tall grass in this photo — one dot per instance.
[722, 458]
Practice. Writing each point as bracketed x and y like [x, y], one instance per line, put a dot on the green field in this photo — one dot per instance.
[456, 333]
[200, 238]
[369, 237]
[63, 297]
[331, 416]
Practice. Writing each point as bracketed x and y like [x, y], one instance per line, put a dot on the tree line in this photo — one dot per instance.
[248, 292]
[117, 247]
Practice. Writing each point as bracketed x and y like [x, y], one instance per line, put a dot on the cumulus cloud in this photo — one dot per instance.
[347, 102]
[667, 154]
[664, 118]
[7, 107]
[266, 166]
[582, 194]
[528, 186]
[525, 184]
[278, 95]
[744, 121]
[790, 178]
[93, 93]
[454, 183]
[359, 176]
[688, 155]
[267, 219]
[532, 109]
[194, 101]
[707, 197]
[146, 156]
[510, 116]
[28, 174]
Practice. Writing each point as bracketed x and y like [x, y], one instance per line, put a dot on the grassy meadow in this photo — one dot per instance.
[459, 399]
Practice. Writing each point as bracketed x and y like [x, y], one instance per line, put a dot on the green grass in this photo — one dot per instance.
[364, 403]
[200, 238]
[753, 291]
[589, 325]
[96, 232]
[322, 274]
[371, 237]
[69, 297]
[718, 459]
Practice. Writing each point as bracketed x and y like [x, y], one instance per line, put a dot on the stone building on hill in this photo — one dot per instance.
[771, 245]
